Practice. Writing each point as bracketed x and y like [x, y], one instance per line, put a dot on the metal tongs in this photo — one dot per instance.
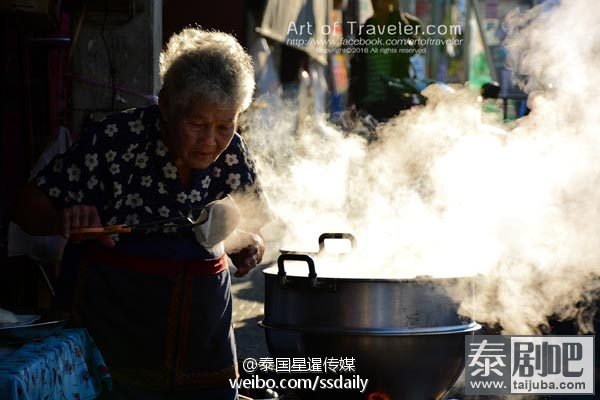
[188, 221]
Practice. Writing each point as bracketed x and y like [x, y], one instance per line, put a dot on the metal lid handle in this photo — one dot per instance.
[312, 273]
[338, 235]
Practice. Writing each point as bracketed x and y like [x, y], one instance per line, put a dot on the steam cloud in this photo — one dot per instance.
[446, 192]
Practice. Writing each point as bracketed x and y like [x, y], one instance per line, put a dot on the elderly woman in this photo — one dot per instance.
[158, 304]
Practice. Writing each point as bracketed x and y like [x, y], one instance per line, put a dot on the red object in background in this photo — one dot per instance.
[35, 92]
[422, 8]
[491, 9]
[379, 396]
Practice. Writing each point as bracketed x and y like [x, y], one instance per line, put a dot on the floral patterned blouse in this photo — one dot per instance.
[122, 166]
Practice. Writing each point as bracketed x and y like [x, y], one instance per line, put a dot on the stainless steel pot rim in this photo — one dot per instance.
[434, 330]
[273, 271]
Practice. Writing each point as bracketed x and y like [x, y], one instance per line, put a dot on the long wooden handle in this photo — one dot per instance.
[101, 230]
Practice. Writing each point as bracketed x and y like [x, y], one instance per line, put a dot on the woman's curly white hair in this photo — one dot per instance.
[207, 65]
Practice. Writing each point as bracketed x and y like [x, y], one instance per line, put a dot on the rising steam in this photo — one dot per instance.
[444, 192]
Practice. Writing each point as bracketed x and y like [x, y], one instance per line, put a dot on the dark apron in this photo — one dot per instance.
[161, 318]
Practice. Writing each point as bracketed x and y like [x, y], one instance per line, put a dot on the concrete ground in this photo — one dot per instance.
[248, 298]
[248, 307]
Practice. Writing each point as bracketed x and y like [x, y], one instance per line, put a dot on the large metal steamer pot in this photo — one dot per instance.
[406, 335]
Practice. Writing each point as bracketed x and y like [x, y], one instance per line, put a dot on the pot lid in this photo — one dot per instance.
[346, 268]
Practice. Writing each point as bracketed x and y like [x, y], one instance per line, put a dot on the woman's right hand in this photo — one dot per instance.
[81, 216]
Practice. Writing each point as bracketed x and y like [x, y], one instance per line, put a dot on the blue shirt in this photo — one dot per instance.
[122, 166]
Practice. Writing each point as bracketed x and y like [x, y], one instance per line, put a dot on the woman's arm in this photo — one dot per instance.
[34, 212]
[36, 215]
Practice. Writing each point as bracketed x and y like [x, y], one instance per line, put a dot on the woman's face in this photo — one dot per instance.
[203, 133]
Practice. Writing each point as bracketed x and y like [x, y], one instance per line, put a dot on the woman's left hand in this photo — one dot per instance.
[250, 255]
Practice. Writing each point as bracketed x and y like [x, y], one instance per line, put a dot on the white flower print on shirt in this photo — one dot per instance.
[231, 159]
[195, 196]
[136, 126]
[110, 156]
[146, 181]
[161, 188]
[182, 197]
[54, 192]
[41, 180]
[164, 211]
[117, 189]
[217, 172]
[118, 204]
[92, 182]
[111, 129]
[148, 210]
[58, 165]
[91, 161]
[112, 221]
[134, 200]
[233, 181]
[115, 168]
[127, 156]
[132, 147]
[141, 160]
[74, 173]
[131, 219]
[77, 197]
[205, 182]
[170, 171]
[161, 148]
